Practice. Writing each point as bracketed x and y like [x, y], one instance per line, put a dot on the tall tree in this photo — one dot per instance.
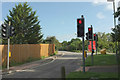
[117, 29]
[26, 24]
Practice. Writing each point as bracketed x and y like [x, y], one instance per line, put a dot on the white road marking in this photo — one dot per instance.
[69, 58]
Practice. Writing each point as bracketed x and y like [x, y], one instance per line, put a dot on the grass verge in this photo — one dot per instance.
[91, 75]
[13, 63]
[107, 59]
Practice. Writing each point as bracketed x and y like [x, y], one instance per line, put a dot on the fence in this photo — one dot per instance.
[21, 52]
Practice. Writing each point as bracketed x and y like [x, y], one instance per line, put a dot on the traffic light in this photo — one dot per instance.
[95, 37]
[12, 31]
[80, 27]
[90, 33]
[4, 31]
[87, 36]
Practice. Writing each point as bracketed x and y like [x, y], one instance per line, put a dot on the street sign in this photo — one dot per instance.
[9, 54]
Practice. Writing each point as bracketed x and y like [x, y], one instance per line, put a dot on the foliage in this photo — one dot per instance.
[52, 40]
[117, 29]
[105, 41]
[117, 13]
[26, 24]
[73, 45]
[55, 52]
[42, 57]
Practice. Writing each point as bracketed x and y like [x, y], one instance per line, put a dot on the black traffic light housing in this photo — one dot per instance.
[12, 31]
[90, 33]
[87, 36]
[4, 31]
[80, 27]
[7, 31]
[95, 37]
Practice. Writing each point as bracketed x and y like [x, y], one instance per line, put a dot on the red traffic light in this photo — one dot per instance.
[89, 29]
[80, 22]
[94, 34]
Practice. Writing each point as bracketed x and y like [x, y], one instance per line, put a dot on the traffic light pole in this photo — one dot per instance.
[92, 52]
[83, 54]
[8, 46]
[80, 33]
[8, 53]
[96, 47]
[96, 44]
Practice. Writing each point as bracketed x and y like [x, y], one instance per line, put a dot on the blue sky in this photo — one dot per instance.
[60, 18]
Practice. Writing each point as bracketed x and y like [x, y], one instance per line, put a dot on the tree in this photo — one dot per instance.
[105, 41]
[117, 29]
[26, 24]
[117, 13]
[64, 46]
[73, 45]
[52, 40]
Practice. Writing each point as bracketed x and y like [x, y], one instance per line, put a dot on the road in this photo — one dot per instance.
[70, 60]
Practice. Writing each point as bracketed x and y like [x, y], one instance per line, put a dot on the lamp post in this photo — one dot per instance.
[114, 23]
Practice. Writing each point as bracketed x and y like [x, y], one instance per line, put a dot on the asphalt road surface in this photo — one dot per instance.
[70, 60]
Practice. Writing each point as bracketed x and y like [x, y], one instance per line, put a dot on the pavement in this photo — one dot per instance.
[31, 64]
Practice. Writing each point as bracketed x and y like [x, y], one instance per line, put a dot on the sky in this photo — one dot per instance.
[60, 18]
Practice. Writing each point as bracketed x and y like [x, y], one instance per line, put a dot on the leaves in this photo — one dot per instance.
[26, 24]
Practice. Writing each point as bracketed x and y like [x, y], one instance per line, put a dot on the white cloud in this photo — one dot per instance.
[98, 2]
[100, 15]
[108, 5]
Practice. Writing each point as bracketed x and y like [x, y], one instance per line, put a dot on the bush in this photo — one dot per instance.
[42, 57]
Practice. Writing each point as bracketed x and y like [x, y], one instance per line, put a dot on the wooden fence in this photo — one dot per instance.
[21, 52]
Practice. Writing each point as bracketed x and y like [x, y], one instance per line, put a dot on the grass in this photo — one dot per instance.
[13, 63]
[54, 53]
[101, 60]
[42, 57]
[91, 75]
